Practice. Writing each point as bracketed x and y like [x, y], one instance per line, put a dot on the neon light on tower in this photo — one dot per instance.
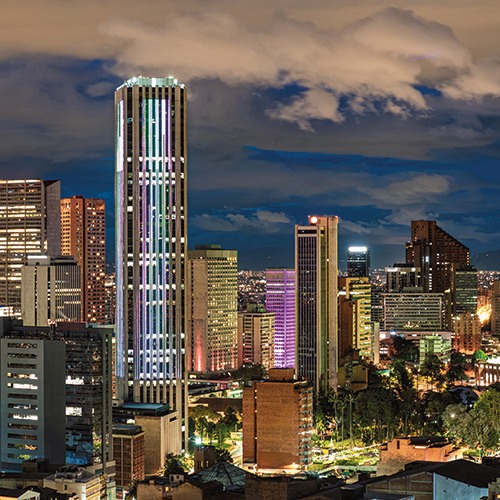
[151, 240]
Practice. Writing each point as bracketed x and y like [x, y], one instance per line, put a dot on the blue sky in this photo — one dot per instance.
[378, 112]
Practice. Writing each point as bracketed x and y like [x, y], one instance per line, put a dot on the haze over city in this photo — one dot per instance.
[377, 112]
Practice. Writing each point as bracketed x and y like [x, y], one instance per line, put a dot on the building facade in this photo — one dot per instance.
[316, 273]
[151, 241]
[256, 337]
[466, 285]
[358, 262]
[280, 300]
[50, 290]
[355, 326]
[83, 236]
[29, 225]
[277, 423]
[402, 278]
[212, 299]
[466, 333]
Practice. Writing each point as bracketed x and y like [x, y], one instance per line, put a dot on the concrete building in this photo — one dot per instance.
[32, 401]
[466, 333]
[87, 398]
[212, 298]
[403, 278]
[316, 272]
[355, 326]
[277, 423]
[50, 290]
[151, 242]
[280, 300]
[434, 345]
[395, 454]
[29, 225]
[87, 484]
[358, 262]
[495, 308]
[487, 372]
[436, 253]
[256, 337]
[83, 236]
[128, 454]
[465, 286]
[413, 311]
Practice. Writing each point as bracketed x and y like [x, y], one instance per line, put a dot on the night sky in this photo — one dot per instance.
[377, 112]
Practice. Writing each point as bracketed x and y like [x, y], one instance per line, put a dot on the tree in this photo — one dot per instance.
[456, 420]
[455, 371]
[203, 417]
[223, 455]
[174, 464]
[433, 368]
[249, 371]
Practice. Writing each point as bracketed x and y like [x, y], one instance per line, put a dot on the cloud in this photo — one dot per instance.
[262, 221]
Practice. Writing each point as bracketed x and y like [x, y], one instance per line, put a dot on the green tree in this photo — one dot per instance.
[455, 372]
[456, 420]
[202, 417]
[174, 464]
[249, 372]
[433, 369]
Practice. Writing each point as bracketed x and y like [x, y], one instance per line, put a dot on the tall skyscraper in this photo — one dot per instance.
[50, 290]
[316, 274]
[212, 297]
[465, 290]
[83, 235]
[437, 253]
[29, 225]
[358, 262]
[151, 241]
[280, 300]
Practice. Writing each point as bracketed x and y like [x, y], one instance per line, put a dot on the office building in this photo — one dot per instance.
[466, 333]
[212, 299]
[32, 402]
[355, 326]
[128, 454]
[256, 337]
[437, 253]
[316, 272]
[87, 398]
[151, 242]
[277, 423]
[83, 235]
[29, 225]
[495, 308]
[436, 345]
[358, 262]
[280, 300]
[465, 286]
[413, 312]
[50, 290]
[402, 278]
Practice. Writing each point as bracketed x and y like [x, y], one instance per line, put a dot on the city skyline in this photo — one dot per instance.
[394, 119]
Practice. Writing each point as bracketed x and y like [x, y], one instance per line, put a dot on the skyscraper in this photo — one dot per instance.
[29, 225]
[151, 241]
[280, 299]
[316, 273]
[358, 262]
[83, 235]
[436, 253]
[212, 297]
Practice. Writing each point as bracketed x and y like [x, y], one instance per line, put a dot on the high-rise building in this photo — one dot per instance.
[256, 337]
[402, 278]
[151, 241]
[358, 262]
[86, 355]
[83, 235]
[50, 290]
[277, 422]
[212, 298]
[466, 333]
[316, 268]
[29, 225]
[466, 285]
[355, 326]
[495, 308]
[436, 345]
[437, 253]
[32, 402]
[280, 300]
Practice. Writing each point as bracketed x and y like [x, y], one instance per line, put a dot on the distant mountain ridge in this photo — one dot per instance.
[486, 261]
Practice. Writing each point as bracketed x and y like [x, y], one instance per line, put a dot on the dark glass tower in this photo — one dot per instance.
[358, 262]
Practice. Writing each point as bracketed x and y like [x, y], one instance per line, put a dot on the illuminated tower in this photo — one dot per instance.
[212, 297]
[316, 274]
[151, 241]
[29, 225]
[358, 262]
[280, 299]
[83, 235]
